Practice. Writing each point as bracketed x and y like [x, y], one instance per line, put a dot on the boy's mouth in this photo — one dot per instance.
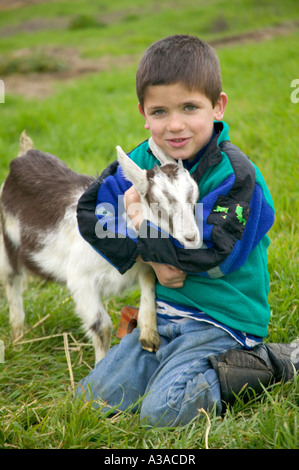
[179, 142]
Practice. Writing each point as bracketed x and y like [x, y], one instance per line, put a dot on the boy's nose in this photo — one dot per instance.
[175, 123]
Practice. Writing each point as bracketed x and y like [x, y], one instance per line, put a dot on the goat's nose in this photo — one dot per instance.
[190, 237]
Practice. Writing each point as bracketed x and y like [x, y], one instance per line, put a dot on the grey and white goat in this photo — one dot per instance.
[39, 234]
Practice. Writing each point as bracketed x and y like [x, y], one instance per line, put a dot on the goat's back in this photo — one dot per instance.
[40, 187]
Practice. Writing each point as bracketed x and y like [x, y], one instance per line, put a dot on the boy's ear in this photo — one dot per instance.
[146, 126]
[220, 107]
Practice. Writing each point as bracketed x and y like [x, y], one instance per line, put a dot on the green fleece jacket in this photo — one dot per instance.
[227, 278]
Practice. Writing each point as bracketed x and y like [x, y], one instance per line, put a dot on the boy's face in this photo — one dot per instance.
[180, 121]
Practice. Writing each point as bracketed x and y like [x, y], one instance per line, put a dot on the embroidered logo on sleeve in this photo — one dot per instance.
[229, 216]
[222, 209]
[239, 212]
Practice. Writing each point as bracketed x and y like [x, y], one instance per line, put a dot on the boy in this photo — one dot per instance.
[212, 304]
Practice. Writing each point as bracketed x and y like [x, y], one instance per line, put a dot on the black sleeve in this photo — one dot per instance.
[159, 249]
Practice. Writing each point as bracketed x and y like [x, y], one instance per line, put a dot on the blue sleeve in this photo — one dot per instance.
[260, 220]
[102, 219]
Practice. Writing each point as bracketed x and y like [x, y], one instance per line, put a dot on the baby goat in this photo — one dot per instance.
[40, 235]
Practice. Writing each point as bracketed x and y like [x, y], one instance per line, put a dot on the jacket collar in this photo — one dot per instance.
[212, 154]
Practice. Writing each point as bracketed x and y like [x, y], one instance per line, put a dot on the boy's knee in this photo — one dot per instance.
[154, 415]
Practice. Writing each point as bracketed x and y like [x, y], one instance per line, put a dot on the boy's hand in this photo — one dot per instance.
[133, 206]
[168, 276]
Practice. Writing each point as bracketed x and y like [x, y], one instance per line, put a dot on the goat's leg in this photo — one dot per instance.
[13, 283]
[96, 321]
[147, 318]
[100, 332]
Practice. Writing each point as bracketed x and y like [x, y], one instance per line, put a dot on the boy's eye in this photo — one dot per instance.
[158, 112]
[190, 107]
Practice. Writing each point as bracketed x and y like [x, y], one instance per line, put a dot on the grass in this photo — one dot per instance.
[82, 122]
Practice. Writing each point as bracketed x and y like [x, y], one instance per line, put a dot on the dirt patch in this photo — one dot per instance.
[74, 21]
[258, 35]
[11, 4]
[40, 85]
[34, 25]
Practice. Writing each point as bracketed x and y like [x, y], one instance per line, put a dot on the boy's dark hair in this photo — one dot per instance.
[180, 59]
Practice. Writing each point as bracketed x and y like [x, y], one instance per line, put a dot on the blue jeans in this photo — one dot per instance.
[174, 382]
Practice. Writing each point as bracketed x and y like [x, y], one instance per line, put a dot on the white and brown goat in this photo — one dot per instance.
[40, 235]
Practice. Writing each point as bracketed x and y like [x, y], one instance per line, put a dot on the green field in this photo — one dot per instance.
[69, 73]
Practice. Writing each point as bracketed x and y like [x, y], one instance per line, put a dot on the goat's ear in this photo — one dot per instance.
[163, 157]
[25, 144]
[132, 172]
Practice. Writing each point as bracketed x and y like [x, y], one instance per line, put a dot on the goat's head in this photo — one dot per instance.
[168, 194]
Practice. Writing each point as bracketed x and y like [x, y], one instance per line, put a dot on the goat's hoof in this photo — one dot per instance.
[17, 333]
[151, 342]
